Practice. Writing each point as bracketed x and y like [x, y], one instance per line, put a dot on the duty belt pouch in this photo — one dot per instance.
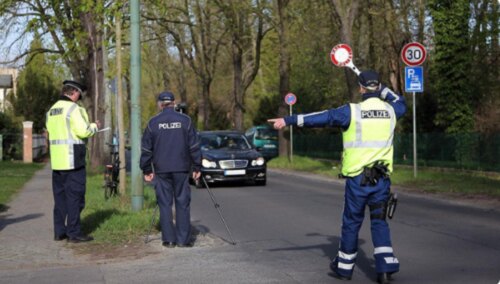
[371, 175]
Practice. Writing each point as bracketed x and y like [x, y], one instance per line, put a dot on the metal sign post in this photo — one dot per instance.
[291, 99]
[414, 54]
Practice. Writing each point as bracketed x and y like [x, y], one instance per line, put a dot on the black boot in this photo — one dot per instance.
[335, 274]
[384, 278]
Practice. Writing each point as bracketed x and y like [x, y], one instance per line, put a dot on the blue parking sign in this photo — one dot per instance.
[414, 79]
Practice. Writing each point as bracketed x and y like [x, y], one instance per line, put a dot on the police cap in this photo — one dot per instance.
[369, 79]
[166, 97]
[80, 87]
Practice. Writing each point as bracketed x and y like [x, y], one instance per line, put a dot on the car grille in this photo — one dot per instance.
[233, 164]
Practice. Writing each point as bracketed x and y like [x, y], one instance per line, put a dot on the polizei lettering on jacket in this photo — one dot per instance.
[56, 111]
[171, 125]
[375, 114]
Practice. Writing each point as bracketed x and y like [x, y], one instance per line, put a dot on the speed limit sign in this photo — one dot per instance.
[413, 54]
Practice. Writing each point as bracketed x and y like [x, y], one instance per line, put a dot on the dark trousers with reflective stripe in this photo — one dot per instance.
[170, 188]
[357, 197]
[68, 188]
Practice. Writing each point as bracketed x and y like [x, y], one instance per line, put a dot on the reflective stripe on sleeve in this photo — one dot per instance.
[300, 120]
[65, 141]
[300, 117]
[71, 150]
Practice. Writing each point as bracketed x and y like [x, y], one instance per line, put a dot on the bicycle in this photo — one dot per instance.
[111, 173]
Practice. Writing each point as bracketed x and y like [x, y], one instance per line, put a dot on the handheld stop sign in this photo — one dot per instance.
[341, 56]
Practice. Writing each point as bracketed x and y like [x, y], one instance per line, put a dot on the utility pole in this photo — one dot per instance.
[135, 116]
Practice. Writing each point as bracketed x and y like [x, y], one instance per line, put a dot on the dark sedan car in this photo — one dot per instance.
[228, 156]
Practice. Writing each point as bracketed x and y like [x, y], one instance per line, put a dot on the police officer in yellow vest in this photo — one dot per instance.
[69, 127]
[368, 132]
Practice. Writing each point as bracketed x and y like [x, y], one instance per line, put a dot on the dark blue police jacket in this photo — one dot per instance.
[170, 144]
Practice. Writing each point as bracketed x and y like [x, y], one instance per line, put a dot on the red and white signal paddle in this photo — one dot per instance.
[341, 56]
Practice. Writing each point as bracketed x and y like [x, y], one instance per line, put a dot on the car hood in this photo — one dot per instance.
[230, 154]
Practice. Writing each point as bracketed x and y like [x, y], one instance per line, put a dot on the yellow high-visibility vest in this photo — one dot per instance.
[369, 136]
[68, 126]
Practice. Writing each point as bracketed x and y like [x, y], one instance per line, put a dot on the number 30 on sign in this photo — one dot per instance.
[413, 54]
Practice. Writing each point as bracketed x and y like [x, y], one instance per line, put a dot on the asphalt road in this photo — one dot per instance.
[293, 225]
[285, 232]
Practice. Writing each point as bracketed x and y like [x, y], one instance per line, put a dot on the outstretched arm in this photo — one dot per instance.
[333, 117]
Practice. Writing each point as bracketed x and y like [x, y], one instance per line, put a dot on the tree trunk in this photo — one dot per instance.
[119, 107]
[204, 104]
[95, 81]
[237, 84]
[284, 73]
[346, 12]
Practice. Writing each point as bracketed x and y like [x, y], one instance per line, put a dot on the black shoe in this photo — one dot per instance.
[384, 278]
[60, 237]
[168, 244]
[338, 276]
[80, 239]
[188, 245]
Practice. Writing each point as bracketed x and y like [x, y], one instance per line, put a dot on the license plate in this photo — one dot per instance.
[234, 172]
[270, 146]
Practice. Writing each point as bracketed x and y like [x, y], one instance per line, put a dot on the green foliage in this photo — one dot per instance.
[461, 70]
[11, 137]
[36, 90]
[450, 71]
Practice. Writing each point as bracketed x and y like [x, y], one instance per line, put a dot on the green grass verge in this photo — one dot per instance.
[428, 179]
[13, 175]
[112, 221]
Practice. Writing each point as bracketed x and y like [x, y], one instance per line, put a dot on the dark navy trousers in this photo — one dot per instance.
[68, 188]
[170, 188]
[357, 198]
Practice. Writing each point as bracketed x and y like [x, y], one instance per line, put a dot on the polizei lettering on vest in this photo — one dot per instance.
[375, 114]
[56, 111]
[171, 125]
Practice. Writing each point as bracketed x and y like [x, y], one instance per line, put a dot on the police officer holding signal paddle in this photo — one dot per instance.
[368, 131]
[170, 150]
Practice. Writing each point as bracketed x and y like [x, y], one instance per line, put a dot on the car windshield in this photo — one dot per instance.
[266, 134]
[221, 141]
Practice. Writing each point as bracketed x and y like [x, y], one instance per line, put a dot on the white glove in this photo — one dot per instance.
[386, 91]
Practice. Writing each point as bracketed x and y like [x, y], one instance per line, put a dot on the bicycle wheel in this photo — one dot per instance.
[108, 181]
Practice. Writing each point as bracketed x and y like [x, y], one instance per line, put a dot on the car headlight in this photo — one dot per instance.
[208, 164]
[258, 162]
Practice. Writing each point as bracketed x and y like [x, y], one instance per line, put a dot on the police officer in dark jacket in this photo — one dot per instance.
[170, 150]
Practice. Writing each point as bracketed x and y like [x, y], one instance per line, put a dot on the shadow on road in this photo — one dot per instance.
[5, 220]
[329, 248]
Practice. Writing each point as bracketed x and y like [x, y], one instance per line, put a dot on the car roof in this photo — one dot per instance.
[226, 132]
[263, 126]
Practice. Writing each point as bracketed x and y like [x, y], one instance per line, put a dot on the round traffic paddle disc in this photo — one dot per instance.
[341, 54]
